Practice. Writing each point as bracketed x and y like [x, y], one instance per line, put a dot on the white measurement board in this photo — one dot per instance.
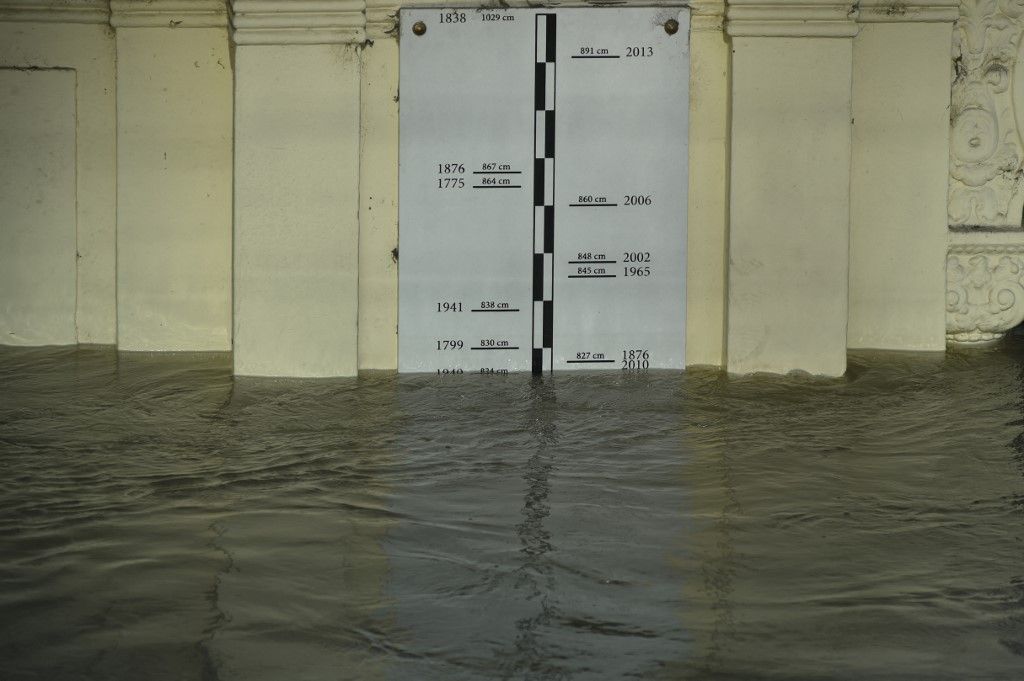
[542, 189]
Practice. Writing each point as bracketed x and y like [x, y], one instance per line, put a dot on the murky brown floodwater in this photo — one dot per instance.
[159, 520]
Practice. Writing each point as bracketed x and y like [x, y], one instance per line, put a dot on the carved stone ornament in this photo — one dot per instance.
[984, 292]
[985, 145]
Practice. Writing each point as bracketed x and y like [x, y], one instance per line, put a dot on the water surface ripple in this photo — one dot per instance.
[161, 520]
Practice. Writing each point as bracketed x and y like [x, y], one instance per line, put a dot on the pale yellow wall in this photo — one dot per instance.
[898, 186]
[378, 207]
[789, 207]
[37, 207]
[708, 193]
[174, 182]
[772, 209]
[89, 50]
[296, 210]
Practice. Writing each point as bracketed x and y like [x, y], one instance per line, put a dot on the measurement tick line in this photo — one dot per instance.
[587, 262]
[590, 361]
[508, 347]
[497, 186]
[507, 309]
[592, 276]
[593, 205]
[595, 56]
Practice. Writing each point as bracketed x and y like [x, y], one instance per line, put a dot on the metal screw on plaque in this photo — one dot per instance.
[419, 28]
[671, 26]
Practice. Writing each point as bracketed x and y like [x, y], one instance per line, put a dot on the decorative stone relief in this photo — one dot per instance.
[984, 292]
[985, 144]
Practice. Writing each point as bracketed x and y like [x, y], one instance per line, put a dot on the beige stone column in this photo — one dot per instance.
[37, 200]
[900, 175]
[789, 186]
[707, 218]
[297, 208]
[39, 38]
[173, 175]
[378, 191]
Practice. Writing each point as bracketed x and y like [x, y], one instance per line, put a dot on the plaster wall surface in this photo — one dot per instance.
[296, 210]
[797, 246]
[898, 184]
[174, 181]
[89, 50]
[378, 207]
[37, 207]
[706, 223]
[789, 205]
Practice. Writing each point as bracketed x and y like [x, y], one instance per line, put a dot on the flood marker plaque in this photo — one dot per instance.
[542, 189]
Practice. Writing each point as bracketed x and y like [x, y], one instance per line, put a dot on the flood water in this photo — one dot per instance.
[161, 520]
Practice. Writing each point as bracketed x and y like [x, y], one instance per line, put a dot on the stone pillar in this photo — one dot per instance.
[173, 175]
[706, 223]
[37, 197]
[297, 131]
[789, 186]
[900, 175]
[39, 38]
[378, 191]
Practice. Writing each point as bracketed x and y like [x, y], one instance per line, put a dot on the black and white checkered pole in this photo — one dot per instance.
[544, 193]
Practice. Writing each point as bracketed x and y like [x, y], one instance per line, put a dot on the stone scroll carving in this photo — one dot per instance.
[986, 152]
[984, 292]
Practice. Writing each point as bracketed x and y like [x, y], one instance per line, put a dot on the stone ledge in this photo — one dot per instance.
[298, 22]
[790, 19]
[56, 11]
[382, 15]
[168, 13]
[881, 12]
[980, 249]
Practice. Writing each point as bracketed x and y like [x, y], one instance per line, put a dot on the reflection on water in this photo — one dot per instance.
[531, 656]
[160, 520]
